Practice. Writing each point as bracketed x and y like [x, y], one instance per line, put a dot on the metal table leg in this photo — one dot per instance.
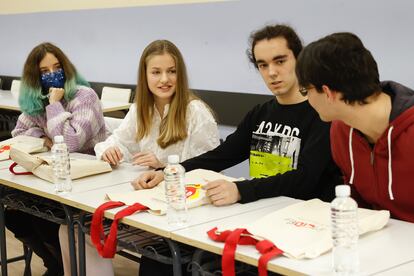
[196, 262]
[28, 258]
[71, 236]
[176, 257]
[3, 247]
[81, 245]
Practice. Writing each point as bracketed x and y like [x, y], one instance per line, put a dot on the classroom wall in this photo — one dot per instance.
[105, 44]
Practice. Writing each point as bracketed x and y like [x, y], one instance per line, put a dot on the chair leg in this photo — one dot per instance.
[27, 260]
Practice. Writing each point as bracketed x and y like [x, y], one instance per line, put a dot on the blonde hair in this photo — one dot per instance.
[173, 126]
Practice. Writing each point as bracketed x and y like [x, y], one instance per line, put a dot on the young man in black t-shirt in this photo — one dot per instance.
[285, 140]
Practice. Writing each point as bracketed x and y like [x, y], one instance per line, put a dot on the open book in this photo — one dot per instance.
[155, 199]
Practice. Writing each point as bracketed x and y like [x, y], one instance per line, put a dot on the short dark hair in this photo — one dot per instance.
[341, 62]
[274, 31]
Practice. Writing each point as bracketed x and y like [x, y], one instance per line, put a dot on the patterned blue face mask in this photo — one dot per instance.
[54, 79]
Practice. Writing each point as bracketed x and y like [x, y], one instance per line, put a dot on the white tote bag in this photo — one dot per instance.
[26, 143]
[299, 231]
[303, 230]
[41, 166]
[148, 200]
[155, 199]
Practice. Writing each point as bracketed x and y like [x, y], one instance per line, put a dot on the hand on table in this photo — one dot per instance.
[222, 192]
[148, 180]
[112, 155]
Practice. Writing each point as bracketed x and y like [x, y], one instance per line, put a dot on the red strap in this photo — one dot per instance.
[11, 169]
[268, 251]
[107, 249]
[97, 232]
[243, 237]
[227, 261]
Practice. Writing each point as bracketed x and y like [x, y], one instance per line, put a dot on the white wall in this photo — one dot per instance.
[105, 44]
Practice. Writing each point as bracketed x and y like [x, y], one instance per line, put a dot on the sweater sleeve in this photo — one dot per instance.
[80, 122]
[26, 125]
[235, 149]
[306, 181]
[123, 137]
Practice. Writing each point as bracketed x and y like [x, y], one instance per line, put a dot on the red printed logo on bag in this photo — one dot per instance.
[303, 224]
[4, 148]
[192, 191]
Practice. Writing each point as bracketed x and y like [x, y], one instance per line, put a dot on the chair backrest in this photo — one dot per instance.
[111, 124]
[15, 88]
[116, 94]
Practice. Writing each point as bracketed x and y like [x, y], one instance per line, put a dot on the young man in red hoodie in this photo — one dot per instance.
[373, 122]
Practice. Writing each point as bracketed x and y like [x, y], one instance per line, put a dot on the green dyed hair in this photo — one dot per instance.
[31, 99]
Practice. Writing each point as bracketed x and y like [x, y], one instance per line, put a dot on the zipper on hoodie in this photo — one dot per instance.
[371, 149]
[377, 182]
[372, 157]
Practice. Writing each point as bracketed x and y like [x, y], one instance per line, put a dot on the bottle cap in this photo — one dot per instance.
[58, 139]
[342, 190]
[173, 159]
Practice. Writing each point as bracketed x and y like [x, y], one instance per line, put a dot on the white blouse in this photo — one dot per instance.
[202, 135]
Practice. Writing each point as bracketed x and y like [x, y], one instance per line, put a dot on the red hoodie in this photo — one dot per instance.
[382, 177]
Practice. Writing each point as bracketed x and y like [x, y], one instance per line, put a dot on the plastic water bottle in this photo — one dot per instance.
[174, 175]
[344, 219]
[61, 166]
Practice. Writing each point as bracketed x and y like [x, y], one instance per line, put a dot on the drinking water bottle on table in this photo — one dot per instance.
[174, 177]
[61, 166]
[344, 232]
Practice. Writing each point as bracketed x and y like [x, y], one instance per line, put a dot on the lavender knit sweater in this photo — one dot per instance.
[80, 121]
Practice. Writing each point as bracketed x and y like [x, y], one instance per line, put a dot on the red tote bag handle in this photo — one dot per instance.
[241, 236]
[106, 244]
[11, 169]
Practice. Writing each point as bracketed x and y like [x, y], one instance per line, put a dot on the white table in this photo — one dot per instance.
[405, 269]
[379, 251]
[383, 252]
[158, 225]
[34, 185]
[124, 173]
[90, 200]
[89, 193]
[8, 101]
[109, 106]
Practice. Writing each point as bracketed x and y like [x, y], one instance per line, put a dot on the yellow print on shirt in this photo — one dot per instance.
[266, 164]
[272, 154]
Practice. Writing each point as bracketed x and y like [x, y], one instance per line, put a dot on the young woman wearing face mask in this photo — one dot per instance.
[166, 118]
[54, 100]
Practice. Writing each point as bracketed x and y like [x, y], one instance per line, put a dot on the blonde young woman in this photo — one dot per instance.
[166, 118]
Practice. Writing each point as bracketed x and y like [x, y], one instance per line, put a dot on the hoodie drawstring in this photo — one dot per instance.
[389, 164]
[351, 156]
